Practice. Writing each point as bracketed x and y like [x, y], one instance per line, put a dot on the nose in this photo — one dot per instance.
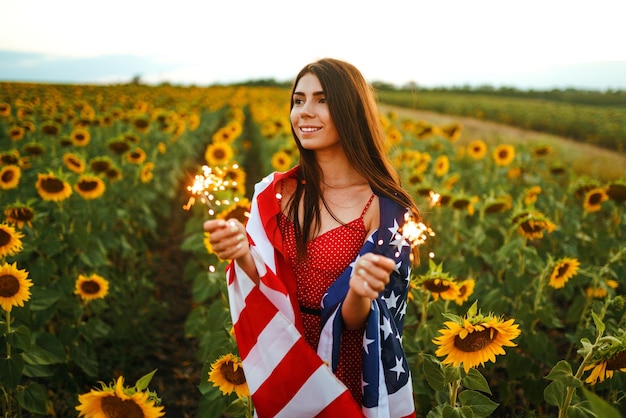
[306, 110]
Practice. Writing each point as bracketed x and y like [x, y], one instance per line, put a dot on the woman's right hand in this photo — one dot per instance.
[228, 238]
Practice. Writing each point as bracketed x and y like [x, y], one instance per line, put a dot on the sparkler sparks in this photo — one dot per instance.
[415, 233]
[212, 188]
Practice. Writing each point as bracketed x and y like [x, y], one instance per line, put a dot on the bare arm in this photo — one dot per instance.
[228, 239]
[369, 278]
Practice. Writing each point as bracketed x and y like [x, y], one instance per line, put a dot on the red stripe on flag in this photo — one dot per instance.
[252, 321]
[298, 364]
[343, 406]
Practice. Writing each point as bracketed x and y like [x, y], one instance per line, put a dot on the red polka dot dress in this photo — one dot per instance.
[328, 255]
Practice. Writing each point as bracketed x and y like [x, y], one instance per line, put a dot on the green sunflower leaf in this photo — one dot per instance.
[475, 380]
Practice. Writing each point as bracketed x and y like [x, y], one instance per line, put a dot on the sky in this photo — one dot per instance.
[437, 43]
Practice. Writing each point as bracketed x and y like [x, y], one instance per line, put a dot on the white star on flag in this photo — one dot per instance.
[386, 327]
[398, 368]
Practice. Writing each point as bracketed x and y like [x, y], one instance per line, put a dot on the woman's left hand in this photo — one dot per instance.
[371, 275]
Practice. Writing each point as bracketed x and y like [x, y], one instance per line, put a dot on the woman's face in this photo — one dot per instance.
[310, 116]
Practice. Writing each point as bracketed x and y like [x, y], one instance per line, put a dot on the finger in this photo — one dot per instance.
[213, 225]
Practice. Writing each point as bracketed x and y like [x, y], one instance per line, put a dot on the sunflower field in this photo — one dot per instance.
[517, 308]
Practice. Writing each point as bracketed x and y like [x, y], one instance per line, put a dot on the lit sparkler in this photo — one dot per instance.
[211, 188]
[415, 233]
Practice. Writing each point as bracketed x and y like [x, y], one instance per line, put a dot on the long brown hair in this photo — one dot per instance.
[354, 112]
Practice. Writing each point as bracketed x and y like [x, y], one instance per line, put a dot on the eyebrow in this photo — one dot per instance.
[316, 93]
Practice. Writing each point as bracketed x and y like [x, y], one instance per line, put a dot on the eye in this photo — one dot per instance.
[297, 101]
[322, 99]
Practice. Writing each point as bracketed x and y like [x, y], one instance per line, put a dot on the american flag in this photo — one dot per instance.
[286, 377]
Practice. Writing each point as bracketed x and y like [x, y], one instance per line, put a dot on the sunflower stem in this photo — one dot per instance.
[578, 375]
[454, 390]
[8, 319]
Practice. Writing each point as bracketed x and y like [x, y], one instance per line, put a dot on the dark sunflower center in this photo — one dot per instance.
[503, 154]
[9, 286]
[436, 287]
[236, 377]
[476, 340]
[52, 185]
[90, 287]
[595, 199]
[80, 137]
[5, 238]
[140, 123]
[560, 272]
[219, 154]
[100, 166]
[618, 361]
[114, 407]
[135, 155]
[88, 185]
[8, 176]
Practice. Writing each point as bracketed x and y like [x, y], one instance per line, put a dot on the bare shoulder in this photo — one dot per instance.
[286, 188]
[371, 218]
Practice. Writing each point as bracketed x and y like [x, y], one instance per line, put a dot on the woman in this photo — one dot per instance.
[320, 273]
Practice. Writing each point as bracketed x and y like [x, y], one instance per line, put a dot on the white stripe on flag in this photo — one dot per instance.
[238, 291]
[319, 391]
[272, 344]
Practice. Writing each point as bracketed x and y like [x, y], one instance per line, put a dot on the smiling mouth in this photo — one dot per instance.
[309, 129]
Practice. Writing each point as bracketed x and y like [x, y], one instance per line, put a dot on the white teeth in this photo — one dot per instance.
[309, 129]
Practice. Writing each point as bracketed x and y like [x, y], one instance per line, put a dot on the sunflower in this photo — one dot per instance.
[92, 287]
[90, 187]
[465, 203]
[442, 165]
[452, 132]
[438, 283]
[146, 174]
[5, 109]
[563, 270]
[52, 188]
[466, 288]
[118, 145]
[113, 174]
[504, 155]
[542, 150]
[141, 123]
[609, 357]
[532, 224]
[393, 136]
[218, 154]
[10, 240]
[80, 137]
[50, 128]
[227, 374]
[119, 401]
[14, 286]
[161, 147]
[136, 156]
[33, 148]
[617, 191]
[100, 164]
[601, 291]
[10, 157]
[475, 339]
[10, 176]
[239, 211]
[594, 198]
[530, 195]
[281, 161]
[74, 163]
[223, 135]
[497, 204]
[16, 133]
[19, 215]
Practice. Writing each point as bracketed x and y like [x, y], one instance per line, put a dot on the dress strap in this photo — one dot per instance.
[369, 202]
